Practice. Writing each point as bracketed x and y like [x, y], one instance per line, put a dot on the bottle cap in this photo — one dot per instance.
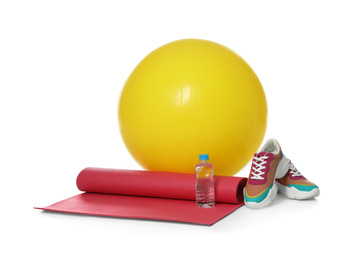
[204, 157]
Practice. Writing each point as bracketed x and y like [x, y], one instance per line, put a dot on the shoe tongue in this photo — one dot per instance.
[260, 154]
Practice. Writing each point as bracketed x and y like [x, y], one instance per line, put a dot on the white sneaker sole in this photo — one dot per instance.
[267, 201]
[295, 194]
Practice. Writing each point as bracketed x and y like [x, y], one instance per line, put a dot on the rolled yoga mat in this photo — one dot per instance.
[149, 195]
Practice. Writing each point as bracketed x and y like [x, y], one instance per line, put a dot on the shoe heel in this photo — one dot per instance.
[282, 167]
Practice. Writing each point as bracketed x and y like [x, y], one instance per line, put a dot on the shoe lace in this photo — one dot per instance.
[259, 165]
[294, 171]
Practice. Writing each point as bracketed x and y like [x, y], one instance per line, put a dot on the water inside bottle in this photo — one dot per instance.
[205, 194]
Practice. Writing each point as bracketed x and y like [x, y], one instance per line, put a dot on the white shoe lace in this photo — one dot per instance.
[259, 163]
[294, 171]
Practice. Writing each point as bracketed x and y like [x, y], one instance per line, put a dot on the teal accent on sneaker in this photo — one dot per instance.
[303, 187]
[258, 198]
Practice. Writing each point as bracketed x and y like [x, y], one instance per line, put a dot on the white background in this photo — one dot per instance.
[62, 66]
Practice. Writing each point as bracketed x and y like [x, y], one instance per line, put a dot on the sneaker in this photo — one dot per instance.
[295, 186]
[267, 165]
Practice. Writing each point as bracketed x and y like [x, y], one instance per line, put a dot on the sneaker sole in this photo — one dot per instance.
[267, 201]
[295, 194]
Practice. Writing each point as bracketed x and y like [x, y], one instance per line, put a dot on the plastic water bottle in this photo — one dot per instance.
[205, 196]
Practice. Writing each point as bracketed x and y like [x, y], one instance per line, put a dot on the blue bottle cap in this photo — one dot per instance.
[204, 157]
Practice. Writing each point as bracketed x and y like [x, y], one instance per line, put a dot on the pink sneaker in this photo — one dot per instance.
[295, 186]
[267, 165]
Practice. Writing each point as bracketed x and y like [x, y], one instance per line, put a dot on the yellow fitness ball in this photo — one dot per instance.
[192, 97]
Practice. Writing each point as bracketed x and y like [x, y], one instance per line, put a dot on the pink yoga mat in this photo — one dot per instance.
[149, 195]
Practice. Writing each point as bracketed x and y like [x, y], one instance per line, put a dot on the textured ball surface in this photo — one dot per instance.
[192, 97]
